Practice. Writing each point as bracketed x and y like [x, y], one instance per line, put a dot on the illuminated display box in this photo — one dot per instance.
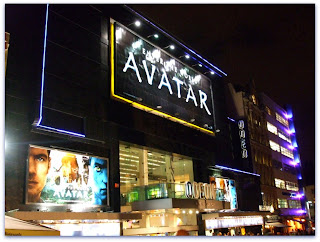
[152, 80]
[60, 177]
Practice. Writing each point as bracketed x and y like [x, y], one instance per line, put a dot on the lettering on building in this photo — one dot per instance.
[242, 135]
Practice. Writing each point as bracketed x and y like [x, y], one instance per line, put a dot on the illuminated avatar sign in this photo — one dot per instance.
[59, 177]
[151, 79]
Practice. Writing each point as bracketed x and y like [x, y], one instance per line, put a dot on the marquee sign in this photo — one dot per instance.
[150, 79]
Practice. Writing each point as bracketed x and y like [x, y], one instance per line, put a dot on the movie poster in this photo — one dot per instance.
[225, 190]
[59, 177]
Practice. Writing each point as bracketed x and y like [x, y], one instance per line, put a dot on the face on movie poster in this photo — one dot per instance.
[58, 177]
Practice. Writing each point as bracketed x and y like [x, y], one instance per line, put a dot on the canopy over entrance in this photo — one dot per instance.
[17, 227]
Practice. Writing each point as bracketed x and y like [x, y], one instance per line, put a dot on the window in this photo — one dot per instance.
[141, 166]
[292, 186]
[268, 110]
[282, 120]
[294, 204]
[254, 99]
[286, 152]
[280, 183]
[282, 203]
[272, 128]
[274, 146]
[284, 136]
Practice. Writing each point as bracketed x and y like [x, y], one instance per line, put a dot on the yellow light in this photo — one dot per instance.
[138, 105]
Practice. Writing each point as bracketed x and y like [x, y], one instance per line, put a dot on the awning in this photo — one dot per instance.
[17, 227]
[278, 224]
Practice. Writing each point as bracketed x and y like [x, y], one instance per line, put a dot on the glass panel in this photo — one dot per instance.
[272, 128]
[157, 167]
[279, 183]
[183, 170]
[287, 152]
[282, 203]
[274, 146]
[282, 120]
[129, 158]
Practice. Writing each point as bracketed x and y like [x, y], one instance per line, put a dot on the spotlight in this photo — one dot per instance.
[137, 23]
[169, 46]
[156, 36]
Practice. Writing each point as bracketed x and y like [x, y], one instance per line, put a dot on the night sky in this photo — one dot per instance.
[272, 44]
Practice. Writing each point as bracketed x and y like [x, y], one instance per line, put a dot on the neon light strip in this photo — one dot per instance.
[231, 169]
[231, 119]
[43, 64]
[42, 84]
[138, 105]
[61, 130]
[176, 40]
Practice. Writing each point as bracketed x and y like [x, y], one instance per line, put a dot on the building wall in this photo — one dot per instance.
[242, 104]
[77, 98]
[282, 164]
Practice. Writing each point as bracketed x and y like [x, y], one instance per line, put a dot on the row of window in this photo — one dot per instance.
[273, 129]
[279, 118]
[286, 185]
[282, 120]
[284, 203]
[276, 147]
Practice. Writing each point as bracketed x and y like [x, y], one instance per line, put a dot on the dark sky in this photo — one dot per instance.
[271, 43]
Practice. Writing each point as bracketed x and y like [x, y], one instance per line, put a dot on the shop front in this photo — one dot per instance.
[234, 223]
[162, 187]
[78, 223]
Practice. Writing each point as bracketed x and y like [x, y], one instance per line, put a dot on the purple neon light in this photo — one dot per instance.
[236, 170]
[176, 40]
[42, 85]
[288, 116]
[301, 211]
[61, 130]
[293, 163]
[290, 147]
[43, 65]
[290, 131]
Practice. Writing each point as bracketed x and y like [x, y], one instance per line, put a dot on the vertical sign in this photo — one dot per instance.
[242, 135]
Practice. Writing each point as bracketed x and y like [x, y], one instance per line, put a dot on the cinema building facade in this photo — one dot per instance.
[97, 85]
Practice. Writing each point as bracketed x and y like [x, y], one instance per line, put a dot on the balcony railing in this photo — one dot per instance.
[162, 190]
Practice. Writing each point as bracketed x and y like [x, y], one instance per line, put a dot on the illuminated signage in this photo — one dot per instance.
[219, 189]
[242, 135]
[59, 177]
[234, 221]
[151, 79]
[200, 190]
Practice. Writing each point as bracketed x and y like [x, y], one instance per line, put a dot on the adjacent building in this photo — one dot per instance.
[274, 152]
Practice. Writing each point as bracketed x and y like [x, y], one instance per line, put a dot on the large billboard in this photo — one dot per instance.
[60, 177]
[149, 78]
